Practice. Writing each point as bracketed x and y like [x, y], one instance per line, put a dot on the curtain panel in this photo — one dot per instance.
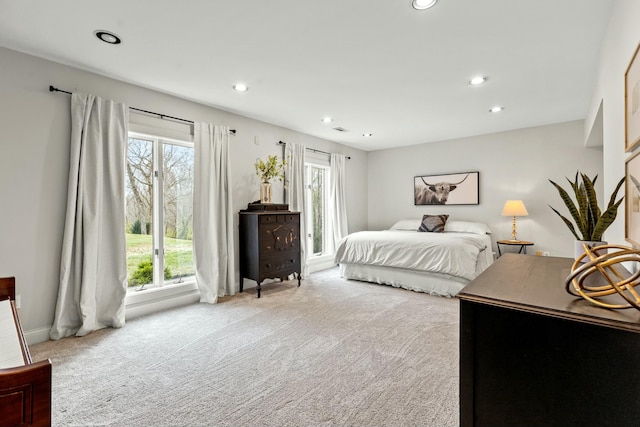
[93, 269]
[338, 198]
[213, 231]
[295, 194]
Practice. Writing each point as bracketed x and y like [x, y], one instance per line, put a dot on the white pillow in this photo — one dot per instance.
[467, 227]
[407, 224]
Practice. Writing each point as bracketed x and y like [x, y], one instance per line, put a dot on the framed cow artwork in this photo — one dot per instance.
[448, 189]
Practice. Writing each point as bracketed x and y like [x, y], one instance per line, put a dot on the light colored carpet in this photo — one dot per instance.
[330, 353]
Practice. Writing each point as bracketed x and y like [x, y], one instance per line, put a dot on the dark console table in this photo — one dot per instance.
[269, 244]
[533, 355]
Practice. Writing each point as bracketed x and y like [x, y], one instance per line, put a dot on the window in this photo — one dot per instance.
[317, 179]
[159, 190]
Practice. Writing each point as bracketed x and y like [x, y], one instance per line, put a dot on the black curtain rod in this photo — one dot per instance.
[312, 149]
[162, 116]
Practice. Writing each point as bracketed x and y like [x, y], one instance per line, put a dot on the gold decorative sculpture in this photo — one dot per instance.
[603, 260]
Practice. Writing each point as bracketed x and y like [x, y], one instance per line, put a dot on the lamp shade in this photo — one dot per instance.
[514, 208]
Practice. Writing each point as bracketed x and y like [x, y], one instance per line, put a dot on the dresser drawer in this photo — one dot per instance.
[274, 266]
[279, 219]
[292, 218]
[270, 219]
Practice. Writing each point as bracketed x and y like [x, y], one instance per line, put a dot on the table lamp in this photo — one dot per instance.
[514, 208]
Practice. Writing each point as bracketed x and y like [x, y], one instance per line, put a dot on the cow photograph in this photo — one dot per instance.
[449, 189]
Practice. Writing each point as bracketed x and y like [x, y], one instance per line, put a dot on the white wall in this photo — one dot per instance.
[34, 134]
[512, 165]
[620, 42]
[34, 152]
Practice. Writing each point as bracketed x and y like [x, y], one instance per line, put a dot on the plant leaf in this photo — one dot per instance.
[567, 222]
[615, 193]
[589, 220]
[593, 213]
[606, 220]
[582, 221]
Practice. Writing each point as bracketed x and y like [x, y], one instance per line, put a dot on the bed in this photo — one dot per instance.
[440, 261]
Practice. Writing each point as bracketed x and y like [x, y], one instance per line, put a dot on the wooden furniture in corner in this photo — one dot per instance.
[25, 391]
[269, 245]
[533, 355]
[7, 288]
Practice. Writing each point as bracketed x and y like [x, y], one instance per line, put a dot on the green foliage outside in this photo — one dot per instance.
[136, 228]
[178, 258]
[144, 274]
[317, 205]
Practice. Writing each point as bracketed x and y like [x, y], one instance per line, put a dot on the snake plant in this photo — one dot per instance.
[590, 221]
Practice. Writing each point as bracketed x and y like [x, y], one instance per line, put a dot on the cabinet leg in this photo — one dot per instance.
[299, 278]
[258, 288]
[241, 283]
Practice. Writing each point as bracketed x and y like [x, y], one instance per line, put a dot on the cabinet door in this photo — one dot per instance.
[278, 234]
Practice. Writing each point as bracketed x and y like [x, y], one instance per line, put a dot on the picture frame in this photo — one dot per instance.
[632, 200]
[447, 189]
[632, 103]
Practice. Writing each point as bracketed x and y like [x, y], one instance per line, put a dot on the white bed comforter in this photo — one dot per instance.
[455, 254]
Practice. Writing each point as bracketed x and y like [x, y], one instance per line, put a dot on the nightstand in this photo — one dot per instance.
[522, 243]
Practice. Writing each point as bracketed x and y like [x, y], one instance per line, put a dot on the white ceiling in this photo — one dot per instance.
[376, 66]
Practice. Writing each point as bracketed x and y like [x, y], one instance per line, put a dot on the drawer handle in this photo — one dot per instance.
[268, 265]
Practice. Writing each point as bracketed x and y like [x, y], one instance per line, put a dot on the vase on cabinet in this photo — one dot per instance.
[265, 192]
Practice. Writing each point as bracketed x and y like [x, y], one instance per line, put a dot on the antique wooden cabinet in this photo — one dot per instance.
[533, 355]
[269, 245]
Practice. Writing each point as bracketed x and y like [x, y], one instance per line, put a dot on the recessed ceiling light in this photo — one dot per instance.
[107, 37]
[496, 109]
[423, 4]
[240, 87]
[327, 119]
[477, 80]
[367, 134]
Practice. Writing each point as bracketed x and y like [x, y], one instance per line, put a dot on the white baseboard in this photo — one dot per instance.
[320, 263]
[139, 304]
[35, 336]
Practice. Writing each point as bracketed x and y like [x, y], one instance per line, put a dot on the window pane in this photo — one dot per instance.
[177, 172]
[317, 200]
[139, 205]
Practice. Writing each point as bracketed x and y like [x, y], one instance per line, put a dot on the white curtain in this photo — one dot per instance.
[338, 198]
[213, 248]
[93, 268]
[295, 194]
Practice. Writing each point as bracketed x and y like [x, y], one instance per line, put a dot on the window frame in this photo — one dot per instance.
[321, 162]
[158, 239]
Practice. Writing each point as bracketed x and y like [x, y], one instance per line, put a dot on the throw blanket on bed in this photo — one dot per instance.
[455, 254]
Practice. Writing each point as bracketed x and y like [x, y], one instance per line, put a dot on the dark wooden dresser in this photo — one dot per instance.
[533, 355]
[269, 245]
